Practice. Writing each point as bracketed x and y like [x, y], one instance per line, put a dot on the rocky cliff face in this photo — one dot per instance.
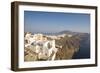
[69, 47]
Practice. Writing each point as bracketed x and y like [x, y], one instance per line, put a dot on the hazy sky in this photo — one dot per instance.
[35, 21]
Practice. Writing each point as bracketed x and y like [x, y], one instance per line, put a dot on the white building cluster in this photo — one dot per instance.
[43, 47]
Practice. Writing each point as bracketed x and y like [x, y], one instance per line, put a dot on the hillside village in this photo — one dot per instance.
[49, 47]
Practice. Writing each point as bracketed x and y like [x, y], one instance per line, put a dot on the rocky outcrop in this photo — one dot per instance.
[69, 47]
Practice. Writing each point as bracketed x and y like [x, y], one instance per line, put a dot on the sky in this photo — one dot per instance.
[52, 22]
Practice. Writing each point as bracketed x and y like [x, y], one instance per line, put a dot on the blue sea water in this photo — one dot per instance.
[83, 53]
